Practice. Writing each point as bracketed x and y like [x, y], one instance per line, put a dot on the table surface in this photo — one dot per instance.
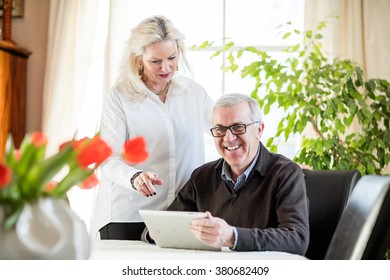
[138, 250]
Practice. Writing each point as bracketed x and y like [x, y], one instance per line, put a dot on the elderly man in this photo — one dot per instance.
[254, 199]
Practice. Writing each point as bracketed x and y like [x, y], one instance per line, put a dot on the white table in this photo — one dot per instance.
[138, 250]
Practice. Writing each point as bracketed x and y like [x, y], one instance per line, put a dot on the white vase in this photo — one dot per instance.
[47, 230]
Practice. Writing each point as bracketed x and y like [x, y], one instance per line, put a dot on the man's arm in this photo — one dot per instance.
[291, 233]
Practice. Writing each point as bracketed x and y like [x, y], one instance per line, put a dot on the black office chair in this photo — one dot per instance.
[363, 231]
[328, 192]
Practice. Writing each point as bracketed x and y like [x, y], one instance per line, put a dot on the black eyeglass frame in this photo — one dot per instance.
[230, 128]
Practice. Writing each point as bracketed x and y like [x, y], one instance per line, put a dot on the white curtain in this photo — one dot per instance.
[75, 69]
[361, 33]
[85, 41]
[76, 79]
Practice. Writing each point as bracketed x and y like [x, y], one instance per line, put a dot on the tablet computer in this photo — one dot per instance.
[170, 229]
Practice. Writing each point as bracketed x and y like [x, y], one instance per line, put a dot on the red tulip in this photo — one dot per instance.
[90, 182]
[94, 151]
[50, 186]
[5, 175]
[76, 144]
[135, 150]
[64, 145]
[17, 154]
[38, 139]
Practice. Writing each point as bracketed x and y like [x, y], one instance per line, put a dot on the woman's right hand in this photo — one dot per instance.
[145, 182]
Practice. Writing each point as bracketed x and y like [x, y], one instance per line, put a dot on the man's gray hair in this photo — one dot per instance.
[232, 99]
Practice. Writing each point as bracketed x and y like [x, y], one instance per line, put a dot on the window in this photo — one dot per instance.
[246, 22]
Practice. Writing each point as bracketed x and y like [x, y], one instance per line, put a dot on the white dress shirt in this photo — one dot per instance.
[174, 133]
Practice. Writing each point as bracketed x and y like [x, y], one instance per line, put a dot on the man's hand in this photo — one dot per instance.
[304, 166]
[213, 231]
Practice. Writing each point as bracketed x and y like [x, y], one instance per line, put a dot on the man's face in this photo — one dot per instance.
[237, 150]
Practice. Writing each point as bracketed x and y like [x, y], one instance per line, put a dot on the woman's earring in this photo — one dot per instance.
[140, 71]
[177, 68]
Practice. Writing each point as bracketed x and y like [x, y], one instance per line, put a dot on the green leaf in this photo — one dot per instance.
[286, 35]
[371, 168]
[42, 172]
[348, 120]
[267, 109]
[299, 126]
[217, 53]
[74, 177]
[270, 141]
[370, 85]
[228, 46]
[202, 46]
[11, 220]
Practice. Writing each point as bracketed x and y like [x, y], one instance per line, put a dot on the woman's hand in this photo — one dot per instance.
[145, 182]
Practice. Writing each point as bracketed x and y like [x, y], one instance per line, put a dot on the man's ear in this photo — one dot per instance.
[260, 130]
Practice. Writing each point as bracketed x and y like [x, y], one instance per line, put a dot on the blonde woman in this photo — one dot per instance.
[151, 98]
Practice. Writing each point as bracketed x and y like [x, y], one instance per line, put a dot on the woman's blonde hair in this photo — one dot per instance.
[149, 31]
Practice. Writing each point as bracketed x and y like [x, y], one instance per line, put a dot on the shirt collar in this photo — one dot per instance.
[227, 176]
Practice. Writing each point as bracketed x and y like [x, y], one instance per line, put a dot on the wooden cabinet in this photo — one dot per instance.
[13, 74]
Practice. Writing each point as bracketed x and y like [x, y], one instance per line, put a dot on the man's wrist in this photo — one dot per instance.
[233, 239]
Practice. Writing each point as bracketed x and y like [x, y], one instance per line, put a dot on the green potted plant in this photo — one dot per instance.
[323, 95]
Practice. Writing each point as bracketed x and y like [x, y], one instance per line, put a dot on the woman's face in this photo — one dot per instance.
[160, 61]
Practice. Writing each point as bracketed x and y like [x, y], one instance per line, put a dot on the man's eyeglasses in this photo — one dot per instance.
[236, 129]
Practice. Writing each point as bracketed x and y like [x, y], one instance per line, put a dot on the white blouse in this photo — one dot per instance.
[174, 133]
